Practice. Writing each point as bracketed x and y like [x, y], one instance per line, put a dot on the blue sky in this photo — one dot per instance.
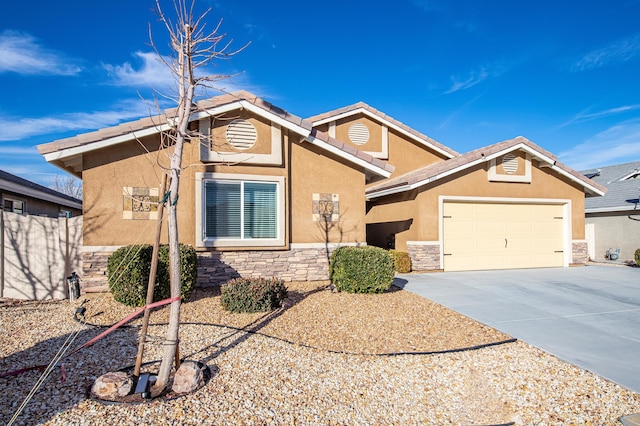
[564, 74]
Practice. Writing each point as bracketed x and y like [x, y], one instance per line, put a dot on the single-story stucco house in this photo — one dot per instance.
[614, 219]
[266, 193]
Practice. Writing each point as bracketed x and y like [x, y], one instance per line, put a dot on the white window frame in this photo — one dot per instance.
[13, 205]
[203, 241]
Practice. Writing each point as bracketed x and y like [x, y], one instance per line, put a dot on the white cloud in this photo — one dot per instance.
[618, 144]
[22, 53]
[17, 129]
[616, 52]
[152, 73]
[583, 116]
[475, 77]
[155, 74]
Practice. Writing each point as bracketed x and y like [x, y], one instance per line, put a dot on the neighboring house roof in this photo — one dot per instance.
[434, 172]
[623, 188]
[363, 108]
[66, 153]
[18, 185]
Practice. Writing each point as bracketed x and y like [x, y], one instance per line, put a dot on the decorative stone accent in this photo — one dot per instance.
[188, 378]
[112, 385]
[215, 268]
[579, 252]
[424, 256]
[309, 264]
[94, 272]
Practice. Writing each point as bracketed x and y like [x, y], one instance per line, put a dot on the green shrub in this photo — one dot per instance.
[253, 294]
[128, 273]
[401, 261]
[188, 269]
[636, 256]
[361, 269]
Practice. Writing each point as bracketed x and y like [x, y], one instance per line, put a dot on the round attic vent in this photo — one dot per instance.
[358, 133]
[510, 164]
[241, 134]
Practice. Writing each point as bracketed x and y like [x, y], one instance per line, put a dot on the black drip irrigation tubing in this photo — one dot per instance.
[303, 345]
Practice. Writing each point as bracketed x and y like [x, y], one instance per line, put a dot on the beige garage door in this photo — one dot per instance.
[480, 236]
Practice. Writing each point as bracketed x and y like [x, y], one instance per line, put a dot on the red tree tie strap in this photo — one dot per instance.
[23, 370]
[95, 339]
[124, 321]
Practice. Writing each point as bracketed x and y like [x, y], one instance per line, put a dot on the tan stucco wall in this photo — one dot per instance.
[106, 172]
[306, 170]
[407, 155]
[315, 172]
[474, 182]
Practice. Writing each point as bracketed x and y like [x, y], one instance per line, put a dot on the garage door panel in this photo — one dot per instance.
[491, 228]
[522, 261]
[502, 235]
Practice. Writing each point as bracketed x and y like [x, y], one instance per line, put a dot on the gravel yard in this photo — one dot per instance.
[325, 358]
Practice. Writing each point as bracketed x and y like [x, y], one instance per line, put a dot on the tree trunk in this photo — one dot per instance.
[171, 342]
[181, 124]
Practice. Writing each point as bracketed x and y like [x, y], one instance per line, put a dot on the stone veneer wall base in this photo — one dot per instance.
[215, 268]
[579, 253]
[424, 257]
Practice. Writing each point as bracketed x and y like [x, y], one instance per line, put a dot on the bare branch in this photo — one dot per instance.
[68, 185]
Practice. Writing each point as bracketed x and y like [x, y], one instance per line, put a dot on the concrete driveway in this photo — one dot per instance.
[588, 316]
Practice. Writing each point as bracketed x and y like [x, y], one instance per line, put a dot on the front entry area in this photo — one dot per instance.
[502, 235]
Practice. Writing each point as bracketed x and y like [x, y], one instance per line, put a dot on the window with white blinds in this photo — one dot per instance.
[240, 210]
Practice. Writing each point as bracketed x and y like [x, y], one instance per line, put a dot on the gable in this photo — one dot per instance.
[260, 116]
[338, 123]
[518, 152]
[240, 136]
[363, 133]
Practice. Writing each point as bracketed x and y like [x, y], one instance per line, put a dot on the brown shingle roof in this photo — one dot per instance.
[433, 172]
[361, 105]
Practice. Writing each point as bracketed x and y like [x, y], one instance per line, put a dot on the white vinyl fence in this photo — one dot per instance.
[37, 254]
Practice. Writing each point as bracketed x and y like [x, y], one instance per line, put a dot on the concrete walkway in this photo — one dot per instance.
[588, 316]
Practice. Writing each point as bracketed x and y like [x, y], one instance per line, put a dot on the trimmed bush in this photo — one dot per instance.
[361, 269]
[401, 261]
[253, 294]
[128, 273]
[188, 269]
[636, 256]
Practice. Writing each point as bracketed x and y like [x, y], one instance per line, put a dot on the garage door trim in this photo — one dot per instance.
[566, 225]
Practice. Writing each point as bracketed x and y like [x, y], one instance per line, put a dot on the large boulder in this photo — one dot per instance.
[188, 378]
[112, 385]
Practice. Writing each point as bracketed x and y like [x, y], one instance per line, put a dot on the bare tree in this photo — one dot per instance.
[193, 48]
[68, 185]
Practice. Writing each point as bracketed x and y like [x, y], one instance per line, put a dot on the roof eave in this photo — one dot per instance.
[138, 134]
[347, 156]
[551, 162]
[612, 209]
